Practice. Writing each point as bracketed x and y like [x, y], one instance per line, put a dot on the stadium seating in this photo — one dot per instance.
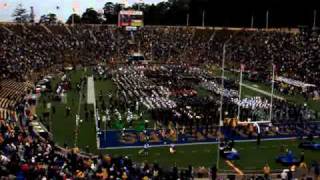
[28, 49]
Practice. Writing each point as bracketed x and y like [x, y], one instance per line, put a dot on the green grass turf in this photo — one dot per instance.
[202, 92]
[251, 156]
[63, 127]
[106, 86]
[87, 131]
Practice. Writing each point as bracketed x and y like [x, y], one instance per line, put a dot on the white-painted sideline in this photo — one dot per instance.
[91, 99]
[78, 119]
[90, 91]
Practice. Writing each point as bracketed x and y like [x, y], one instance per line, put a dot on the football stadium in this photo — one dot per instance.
[159, 90]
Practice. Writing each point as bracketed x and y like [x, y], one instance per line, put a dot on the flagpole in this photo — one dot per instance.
[272, 91]
[73, 18]
[240, 88]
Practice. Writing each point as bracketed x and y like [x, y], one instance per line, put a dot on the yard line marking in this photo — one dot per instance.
[78, 113]
[261, 91]
[91, 99]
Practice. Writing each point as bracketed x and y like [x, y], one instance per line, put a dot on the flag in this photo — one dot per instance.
[242, 67]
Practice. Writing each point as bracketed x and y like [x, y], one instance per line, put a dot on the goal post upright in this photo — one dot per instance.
[272, 91]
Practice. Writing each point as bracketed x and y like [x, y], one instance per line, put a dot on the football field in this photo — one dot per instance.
[63, 128]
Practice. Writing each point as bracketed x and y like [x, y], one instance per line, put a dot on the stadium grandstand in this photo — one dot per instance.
[134, 92]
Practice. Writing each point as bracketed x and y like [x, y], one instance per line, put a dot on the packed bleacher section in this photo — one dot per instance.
[11, 93]
[33, 47]
[28, 49]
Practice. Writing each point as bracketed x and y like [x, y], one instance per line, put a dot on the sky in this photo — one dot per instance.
[50, 6]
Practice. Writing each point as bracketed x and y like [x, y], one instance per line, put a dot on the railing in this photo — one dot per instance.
[281, 29]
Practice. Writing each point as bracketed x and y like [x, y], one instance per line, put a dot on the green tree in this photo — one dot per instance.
[50, 18]
[111, 12]
[20, 14]
[76, 19]
[90, 16]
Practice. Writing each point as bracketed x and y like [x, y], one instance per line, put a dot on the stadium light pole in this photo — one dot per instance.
[203, 14]
[188, 19]
[73, 19]
[252, 21]
[32, 14]
[314, 19]
[267, 19]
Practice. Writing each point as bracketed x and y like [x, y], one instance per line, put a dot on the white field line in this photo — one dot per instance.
[90, 91]
[262, 91]
[91, 99]
[78, 113]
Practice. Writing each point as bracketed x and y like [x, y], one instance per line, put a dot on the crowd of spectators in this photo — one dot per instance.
[24, 154]
[34, 47]
[26, 49]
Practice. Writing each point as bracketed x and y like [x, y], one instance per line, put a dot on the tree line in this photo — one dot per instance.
[199, 12]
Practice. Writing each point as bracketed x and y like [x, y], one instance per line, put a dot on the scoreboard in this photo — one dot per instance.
[130, 18]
